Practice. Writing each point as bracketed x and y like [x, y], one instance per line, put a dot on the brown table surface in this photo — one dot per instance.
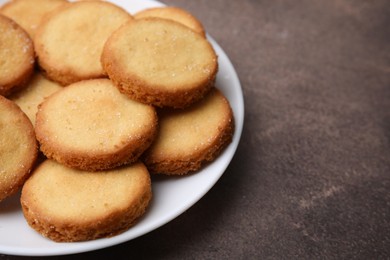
[311, 176]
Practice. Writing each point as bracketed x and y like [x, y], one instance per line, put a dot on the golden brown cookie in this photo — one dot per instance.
[90, 125]
[29, 13]
[18, 149]
[16, 56]
[191, 137]
[173, 13]
[160, 62]
[67, 205]
[70, 40]
[37, 89]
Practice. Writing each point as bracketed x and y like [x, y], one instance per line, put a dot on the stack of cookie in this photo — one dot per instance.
[113, 98]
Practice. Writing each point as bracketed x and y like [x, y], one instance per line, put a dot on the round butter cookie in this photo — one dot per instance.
[29, 13]
[70, 40]
[191, 137]
[16, 56]
[37, 89]
[90, 125]
[160, 62]
[173, 13]
[18, 148]
[68, 205]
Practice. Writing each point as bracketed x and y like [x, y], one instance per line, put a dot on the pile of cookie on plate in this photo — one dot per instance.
[93, 100]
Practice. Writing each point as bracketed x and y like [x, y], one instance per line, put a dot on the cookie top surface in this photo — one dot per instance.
[29, 13]
[189, 137]
[173, 13]
[75, 55]
[92, 121]
[18, 147]
[37, 89]
[67, 199]
[166, 63]
[16, 56]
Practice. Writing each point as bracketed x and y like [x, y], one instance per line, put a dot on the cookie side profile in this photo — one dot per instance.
[37, 89]
[70, 40]
[63, 204]
[90, 125]
[160, 62]
[173, 13]
[16, 56]
[18, 148]
[191, 137]
[29, 13]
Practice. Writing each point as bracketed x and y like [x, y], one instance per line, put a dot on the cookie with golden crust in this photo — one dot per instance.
[160, 62]
[37, 89]
[29, 13]
[18, 149]
[68, 205]
[70, 40]
[16, 56]
[173, 13]
[191, 137]
[90, 125]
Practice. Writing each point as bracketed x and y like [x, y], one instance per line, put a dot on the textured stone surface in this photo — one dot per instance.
[311, 177]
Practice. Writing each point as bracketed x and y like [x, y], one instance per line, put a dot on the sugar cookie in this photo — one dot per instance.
[37, 89]
[90, 125]
[70, 40]
[67, 205]
[173, 13]
[18, 149]
[16, 56]
[160, 62]
[29, 13]
[191, 137]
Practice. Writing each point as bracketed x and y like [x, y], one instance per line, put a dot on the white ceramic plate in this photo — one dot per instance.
[171, 195]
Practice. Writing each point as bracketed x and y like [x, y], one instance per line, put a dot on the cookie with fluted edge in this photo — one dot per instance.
[90, 125]
[37, 89]
[160, 62]
[173, 13]
[192, 137]
[68, 205]
[16, 56]
[70, 40]
[29, 13]
[18, 149]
